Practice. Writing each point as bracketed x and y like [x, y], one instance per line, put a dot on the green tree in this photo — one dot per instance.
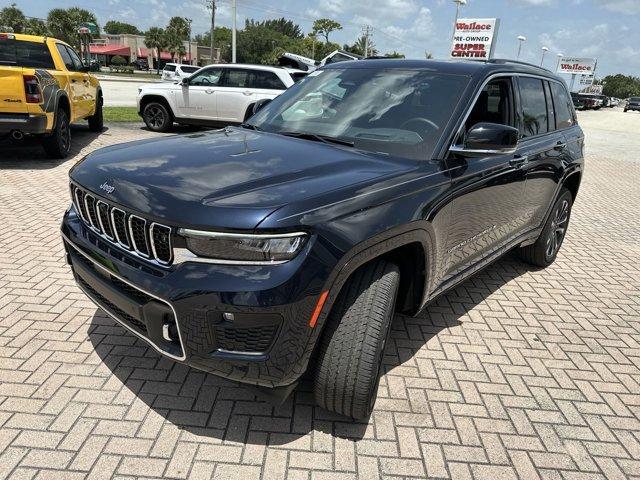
[13, 18]
[118, 60]
[621, 86]
[395, 54]
[173, 43]
[281, 25]
[155, 38]
[117, 28]
[221, 40]
[35, 26]
[325, 26]
[360, 45]
[63, 24]
[180, 26]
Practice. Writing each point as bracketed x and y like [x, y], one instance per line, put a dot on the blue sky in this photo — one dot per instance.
[606, 29]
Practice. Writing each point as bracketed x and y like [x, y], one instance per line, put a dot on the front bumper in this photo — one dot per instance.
[23, 122]
[633, 107]
[245, 323]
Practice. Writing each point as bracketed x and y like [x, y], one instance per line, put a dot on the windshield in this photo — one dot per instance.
[634, 99]
[393, 111]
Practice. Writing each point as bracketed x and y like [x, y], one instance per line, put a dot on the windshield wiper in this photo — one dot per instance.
[318, 138]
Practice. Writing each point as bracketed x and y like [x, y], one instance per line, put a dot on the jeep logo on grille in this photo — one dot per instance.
[107, 188]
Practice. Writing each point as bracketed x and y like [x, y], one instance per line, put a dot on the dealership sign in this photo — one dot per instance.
[475, 38]
[577, 66]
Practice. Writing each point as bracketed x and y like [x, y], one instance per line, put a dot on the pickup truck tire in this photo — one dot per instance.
[96, 121]
[544, 252]
[58, 144]
[157, 117]
[352, 345]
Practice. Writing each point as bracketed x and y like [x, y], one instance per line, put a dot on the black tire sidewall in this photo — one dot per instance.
[565, 195]
[96, 121]
[165, 112]
[53, 144]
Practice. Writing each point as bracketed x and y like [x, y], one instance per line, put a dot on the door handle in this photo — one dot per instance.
[519, 160]
[560, 146]
[247, 93]
[209, 91]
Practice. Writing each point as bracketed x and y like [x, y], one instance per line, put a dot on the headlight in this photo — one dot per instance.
[244, 248]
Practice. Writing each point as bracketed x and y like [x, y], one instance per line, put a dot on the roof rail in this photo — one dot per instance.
[507, 60]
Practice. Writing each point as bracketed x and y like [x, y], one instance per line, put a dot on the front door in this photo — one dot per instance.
[75, 88]
[199, 97]
[487, 200]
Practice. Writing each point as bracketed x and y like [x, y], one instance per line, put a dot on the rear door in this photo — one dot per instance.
[543, 144]
[76, 88]
[235, 95]
[267, 84]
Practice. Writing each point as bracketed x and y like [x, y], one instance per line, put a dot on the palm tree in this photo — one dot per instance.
[155, 39]
[173, 42]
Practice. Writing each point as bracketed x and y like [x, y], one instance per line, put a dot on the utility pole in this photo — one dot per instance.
[366, 32]
[234, 14]
[213, 28]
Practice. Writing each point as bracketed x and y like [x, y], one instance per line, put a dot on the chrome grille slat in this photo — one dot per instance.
[149, 241]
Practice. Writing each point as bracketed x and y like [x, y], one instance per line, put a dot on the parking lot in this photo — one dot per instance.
[517, 373]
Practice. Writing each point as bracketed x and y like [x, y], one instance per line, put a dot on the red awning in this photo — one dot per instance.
[110, 50]
[145, 52]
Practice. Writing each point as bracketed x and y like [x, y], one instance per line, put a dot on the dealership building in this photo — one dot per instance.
[132, 48]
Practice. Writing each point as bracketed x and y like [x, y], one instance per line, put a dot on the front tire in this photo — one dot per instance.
[544, 252]
[157, 117]
[352, 345]
[58, 144]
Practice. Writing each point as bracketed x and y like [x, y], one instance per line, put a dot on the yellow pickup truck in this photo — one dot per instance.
[44, 86]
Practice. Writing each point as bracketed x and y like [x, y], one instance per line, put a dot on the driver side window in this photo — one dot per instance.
[206, 78]
[494, 105]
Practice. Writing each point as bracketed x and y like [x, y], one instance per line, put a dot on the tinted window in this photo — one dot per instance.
[77, 63]
[562, 105]
[208, 77]
[66, 57]
[634, 99]
[25, 54]
[534, 107]
[394, 112]
[494, 104]
[237, 79]
[338, 57]
[550, 111]
[267, 80]
[169, 68]
[189, 69]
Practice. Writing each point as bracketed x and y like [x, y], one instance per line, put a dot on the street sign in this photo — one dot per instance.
[577, 66]
[88, 28]
[475, 38]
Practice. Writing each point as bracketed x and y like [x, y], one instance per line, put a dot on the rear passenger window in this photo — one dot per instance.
[534, 107]
[237, 79]
[562, 105]
[66, 58]
[267, 81]
[169, 68]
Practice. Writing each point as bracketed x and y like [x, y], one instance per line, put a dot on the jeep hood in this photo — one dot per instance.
[232, 178]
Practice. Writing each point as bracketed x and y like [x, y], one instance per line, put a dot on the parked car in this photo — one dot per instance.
[579, 101]
[287, 244]
[44, 86]
[141, 64]
[176, 71]
[216, 95]
[633, 103]
[591, 101]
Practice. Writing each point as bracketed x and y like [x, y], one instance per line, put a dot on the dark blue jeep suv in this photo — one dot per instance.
[286, 244]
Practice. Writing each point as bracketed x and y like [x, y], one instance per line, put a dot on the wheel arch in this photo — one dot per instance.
[147, 99]
[572, 183]
[62, 101]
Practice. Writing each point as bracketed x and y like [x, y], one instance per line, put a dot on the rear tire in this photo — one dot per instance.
[544, 252]
[58, 144]
[96, 121]
[352, 345]
[157, 117]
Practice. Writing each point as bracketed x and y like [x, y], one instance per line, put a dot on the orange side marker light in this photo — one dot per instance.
[318, 309]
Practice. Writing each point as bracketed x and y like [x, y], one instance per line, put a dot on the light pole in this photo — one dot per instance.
[544, 52]
[521, 40]
[458, 4]
[559, 55]
[234, 14]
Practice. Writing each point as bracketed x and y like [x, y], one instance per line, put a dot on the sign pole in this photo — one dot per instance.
[573, 81]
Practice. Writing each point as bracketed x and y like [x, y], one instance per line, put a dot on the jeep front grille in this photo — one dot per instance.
[148, 240]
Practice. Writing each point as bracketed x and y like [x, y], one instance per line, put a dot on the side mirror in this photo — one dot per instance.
[489, 139]
[184, 82]
[259, 105]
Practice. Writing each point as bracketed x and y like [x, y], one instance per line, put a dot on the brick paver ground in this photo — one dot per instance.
[518, 373]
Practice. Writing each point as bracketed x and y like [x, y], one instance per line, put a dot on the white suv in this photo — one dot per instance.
[177, 71]
[215, 95]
